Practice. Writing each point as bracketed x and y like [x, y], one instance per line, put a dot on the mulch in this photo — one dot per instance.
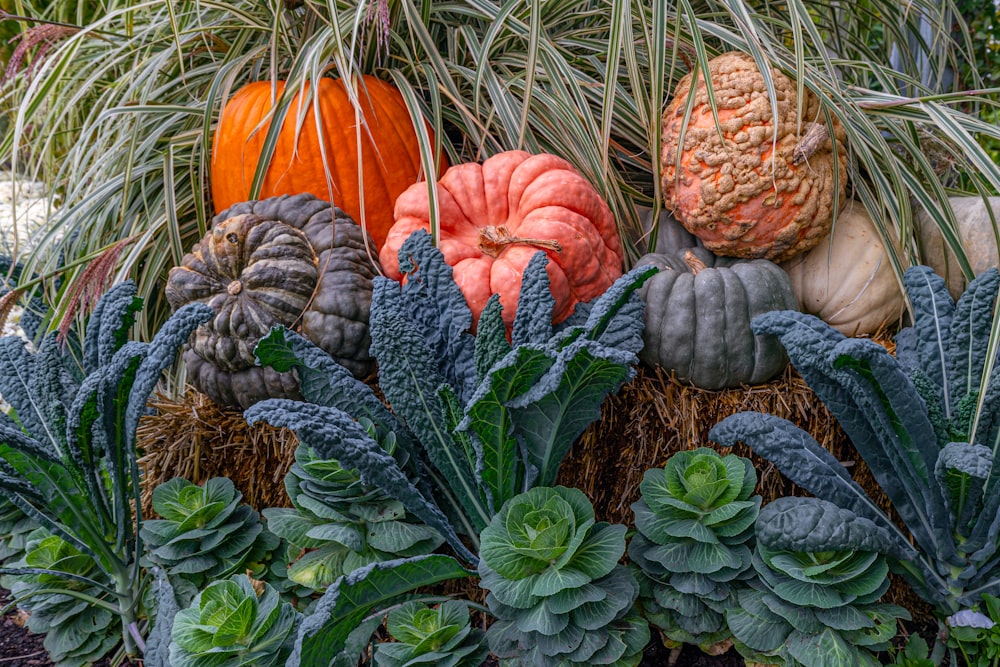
[19, 647]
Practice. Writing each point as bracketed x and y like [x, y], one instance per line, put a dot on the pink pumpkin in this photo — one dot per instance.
[494, 216]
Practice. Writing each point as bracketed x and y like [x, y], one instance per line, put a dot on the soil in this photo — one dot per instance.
[20, 647]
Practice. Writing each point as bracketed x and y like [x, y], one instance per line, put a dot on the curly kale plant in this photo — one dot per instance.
[695, 524]
[230, 623]
[64, 603]
[340, 523]
[813, 607]
[485, 418]
[205, 534]
[439, 636]
[68, 457]
[926, 421]
[555, 586]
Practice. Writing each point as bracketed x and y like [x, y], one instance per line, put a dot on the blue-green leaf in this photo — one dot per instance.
[961, 472]
[324, 634]
[433, 302]
[811, 524]
[803, 461]
[489, 417]
[535, 304]
[933, 309]
[347, 441]
[491, 338]
[566, 399]
[968, 340]
[109, 324]
[323, 381]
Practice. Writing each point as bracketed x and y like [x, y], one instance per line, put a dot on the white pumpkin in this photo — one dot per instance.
[975, 229]
[847, 280]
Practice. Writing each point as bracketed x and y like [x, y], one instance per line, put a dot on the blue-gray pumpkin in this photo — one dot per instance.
[698, 312]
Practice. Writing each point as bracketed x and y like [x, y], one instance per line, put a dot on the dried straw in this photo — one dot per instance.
[197, 439]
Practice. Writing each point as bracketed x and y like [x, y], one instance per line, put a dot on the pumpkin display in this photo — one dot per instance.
[698, 312]
[975, 229]
[848, 280]
[290, 260]
[390, 154]
[494, 217]
[754, 186]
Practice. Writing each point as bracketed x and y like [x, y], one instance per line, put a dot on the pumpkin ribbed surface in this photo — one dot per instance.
[494, 217]
[763, 187]
[390, 154]
[289, 260]
[698, 312]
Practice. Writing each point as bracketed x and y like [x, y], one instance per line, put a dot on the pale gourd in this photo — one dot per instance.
[848, 280]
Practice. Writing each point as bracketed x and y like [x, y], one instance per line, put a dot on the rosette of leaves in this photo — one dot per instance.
[425, 635]
[64, 605]
[229, 623]
[340, 523]
[205, 533]
[555, 586]
[693, 546]
[816, 605]
[15, 527]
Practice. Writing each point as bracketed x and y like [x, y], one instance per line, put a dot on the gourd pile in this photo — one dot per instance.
[752, 198]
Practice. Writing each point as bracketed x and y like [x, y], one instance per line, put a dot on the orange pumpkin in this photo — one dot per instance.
[390, 155]
[495, 216]
[755, 186]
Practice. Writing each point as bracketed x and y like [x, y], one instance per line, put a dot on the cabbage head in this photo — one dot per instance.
[555, 586]
[230, 624]
[692, 551]
[441, 636]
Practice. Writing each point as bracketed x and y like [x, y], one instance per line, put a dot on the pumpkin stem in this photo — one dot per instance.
[234, 288]
[493, 239]
[693, 262]
[815, 136]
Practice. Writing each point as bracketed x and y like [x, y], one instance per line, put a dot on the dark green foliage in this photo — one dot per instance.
[439, 636]
[337, 523]
[205, 534]
[77, 632]
[815, 603]
[343, 619]
[69, 459]
[695, 525]
[903, 414]
[555, 586]
[230, 623]
[486, 420]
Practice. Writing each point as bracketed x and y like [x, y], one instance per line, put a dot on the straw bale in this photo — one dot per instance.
[194, 438]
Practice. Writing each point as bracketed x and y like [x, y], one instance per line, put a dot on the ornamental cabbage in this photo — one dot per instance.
[205, 534]
[428, 636]
[555, 586]
[338, 523]
[695, 530]
[230, 624]
[815, 607]
[77, 633]
[927, 423]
